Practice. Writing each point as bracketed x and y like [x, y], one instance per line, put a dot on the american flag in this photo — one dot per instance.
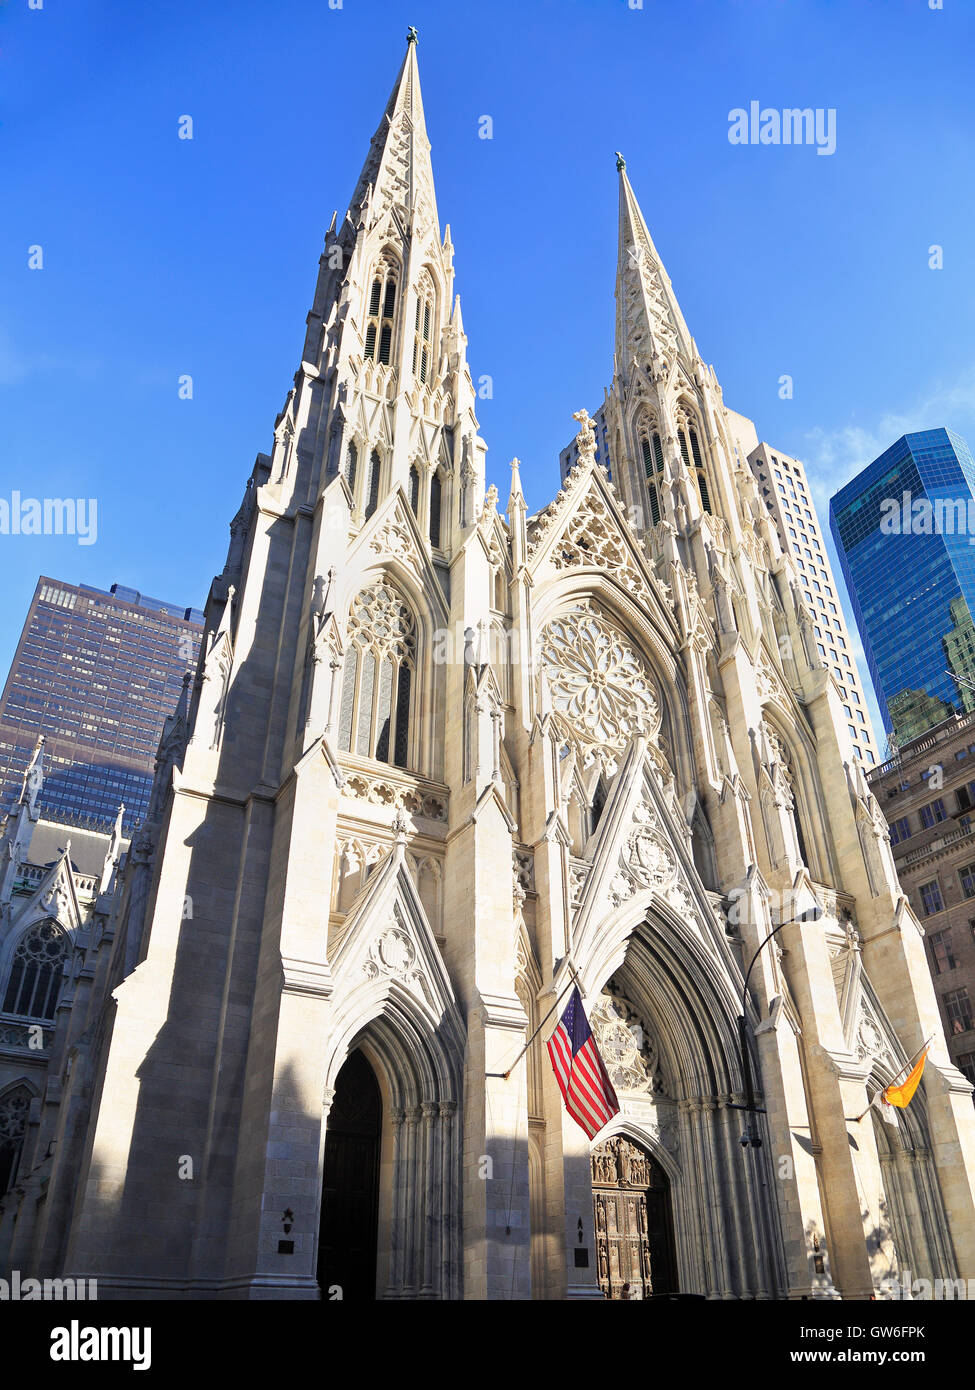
[583, 1080]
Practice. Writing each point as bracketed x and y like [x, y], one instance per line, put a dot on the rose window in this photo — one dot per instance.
[597, 681]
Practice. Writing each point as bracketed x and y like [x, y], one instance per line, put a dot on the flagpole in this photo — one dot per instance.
[503, 1075]
[903, 1069]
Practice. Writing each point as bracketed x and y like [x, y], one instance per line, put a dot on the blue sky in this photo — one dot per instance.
[164, 256]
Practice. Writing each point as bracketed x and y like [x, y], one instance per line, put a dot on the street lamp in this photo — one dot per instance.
[750, 1136]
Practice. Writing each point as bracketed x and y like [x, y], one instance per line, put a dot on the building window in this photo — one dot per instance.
[967, 876]
[932, 813]
[414, 489]
[423, 328]
[14, 1112]
[959, 1011]
[941, 951]
[351, 466]
[375, 468]
[380, 660]
[931, 899]
[35, 974]
[900, 830]
[436, 495]
[382, 307]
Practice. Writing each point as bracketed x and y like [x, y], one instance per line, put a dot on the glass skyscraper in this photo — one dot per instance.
[905, 533]
[96, 672]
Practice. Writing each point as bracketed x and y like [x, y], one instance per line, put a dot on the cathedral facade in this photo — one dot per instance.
[437, 764]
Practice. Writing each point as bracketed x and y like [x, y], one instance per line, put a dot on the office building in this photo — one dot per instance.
[903, 529]
[96, 672]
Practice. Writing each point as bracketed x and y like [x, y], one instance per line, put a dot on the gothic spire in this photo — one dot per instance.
[649, 322]
[397, 173]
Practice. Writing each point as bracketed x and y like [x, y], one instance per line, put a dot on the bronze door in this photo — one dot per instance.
[634, 1236]
[350, 1191]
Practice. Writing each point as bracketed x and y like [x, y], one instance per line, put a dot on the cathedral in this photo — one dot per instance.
[437, 764]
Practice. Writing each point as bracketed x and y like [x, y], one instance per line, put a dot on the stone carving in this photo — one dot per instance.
[648, 861]
[618, 1162]
[578, 877]
[629, 1054]
[596, 680]
[14, 1109]
[394, 539]
[394, 953]
[383, 622]
[381, 791]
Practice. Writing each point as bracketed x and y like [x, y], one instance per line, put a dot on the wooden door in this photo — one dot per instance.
[634, 1236]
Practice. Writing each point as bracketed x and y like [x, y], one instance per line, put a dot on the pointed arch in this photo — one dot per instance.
[14, 1117]
[690, 437]
[652, 456]
[372, 485]
[36, 971]
[436, 507]
[378, 679]
[381, 309]
[807, 811]
[686, 994]
[425, 328]
[351, 465]
[394, 1001]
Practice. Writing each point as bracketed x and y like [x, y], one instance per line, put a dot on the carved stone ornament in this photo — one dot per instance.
[597, 682]
[628, 1053]
[393, 953]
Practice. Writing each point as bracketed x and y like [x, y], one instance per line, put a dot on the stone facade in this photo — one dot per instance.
[927, 793]
[436, 764]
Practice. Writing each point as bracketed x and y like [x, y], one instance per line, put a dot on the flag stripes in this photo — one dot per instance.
[583, 1079]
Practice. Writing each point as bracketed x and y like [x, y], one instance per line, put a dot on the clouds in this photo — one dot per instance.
[832, 457]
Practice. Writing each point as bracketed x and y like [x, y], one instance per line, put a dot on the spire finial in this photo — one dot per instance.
[620, 162]
[586, 438]
[411, 34]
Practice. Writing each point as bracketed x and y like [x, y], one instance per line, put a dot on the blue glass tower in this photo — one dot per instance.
[905, 533]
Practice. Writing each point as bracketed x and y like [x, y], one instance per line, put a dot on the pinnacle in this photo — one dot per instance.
[648, 315]
[397, 170]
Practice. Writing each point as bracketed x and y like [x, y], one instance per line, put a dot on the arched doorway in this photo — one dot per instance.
[350, 1188]
[634, 1226]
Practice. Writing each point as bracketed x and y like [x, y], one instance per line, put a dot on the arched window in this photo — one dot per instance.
[653, 463]
[34, 982]
[382, 309]
[702, 480]
[380, 661]
[697, 466]
[14, 1112]
[598, 806]
[436, 494]
[423, 329]
[351, 465]
[414, 489]
[375, 468]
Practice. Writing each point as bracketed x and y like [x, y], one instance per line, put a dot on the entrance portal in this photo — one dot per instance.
[634, 1230]
[350, 1190]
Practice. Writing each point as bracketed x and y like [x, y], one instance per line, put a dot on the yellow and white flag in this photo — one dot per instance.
[895, 1097]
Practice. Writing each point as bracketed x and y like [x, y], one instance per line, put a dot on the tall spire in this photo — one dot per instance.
[397, 172]
[648, 318]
